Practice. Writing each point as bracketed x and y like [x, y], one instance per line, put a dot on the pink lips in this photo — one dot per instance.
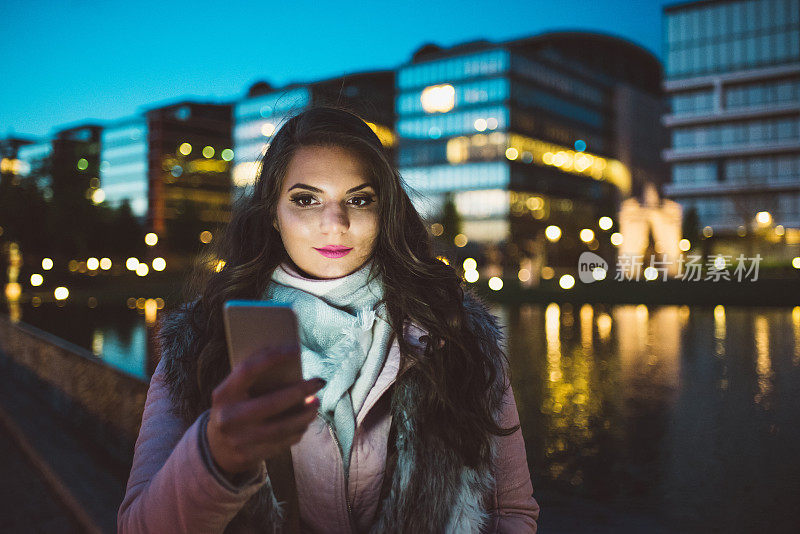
[333, 252]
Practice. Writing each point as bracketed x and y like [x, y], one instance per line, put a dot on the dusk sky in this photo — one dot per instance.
[73, 61]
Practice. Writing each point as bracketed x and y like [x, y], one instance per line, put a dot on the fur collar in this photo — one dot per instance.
[430, 489]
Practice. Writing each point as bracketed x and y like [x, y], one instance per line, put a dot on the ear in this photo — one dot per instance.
[275, 225]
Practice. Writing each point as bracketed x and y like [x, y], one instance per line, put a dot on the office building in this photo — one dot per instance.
[533, 141]
[260, 114]
[733, 80]
[172, 165]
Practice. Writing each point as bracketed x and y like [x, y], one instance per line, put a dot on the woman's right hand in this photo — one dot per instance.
[242, 430]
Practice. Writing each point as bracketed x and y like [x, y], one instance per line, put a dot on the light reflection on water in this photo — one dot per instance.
[689, 412]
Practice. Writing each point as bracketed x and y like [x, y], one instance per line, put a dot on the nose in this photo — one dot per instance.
[334, 219]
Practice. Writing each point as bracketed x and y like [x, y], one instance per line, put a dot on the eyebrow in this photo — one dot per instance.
[316, 190]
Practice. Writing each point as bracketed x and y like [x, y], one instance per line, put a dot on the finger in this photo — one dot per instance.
[244, 375]
[278, 429]
[273, 403]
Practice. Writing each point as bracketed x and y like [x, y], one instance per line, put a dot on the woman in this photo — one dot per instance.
[414, 428]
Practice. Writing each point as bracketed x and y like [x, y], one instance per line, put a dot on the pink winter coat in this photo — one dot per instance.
[172, 489]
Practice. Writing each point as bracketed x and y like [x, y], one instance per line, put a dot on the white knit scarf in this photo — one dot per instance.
[344, 336]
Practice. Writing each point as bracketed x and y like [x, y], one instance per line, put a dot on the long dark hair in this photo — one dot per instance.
[459, 376]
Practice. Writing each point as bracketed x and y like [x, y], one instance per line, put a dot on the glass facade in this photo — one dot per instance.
[453, 69]
[746, 133]
[731, 35]
[763, 93]
[124, 164]
[34, 157]
[256, 120]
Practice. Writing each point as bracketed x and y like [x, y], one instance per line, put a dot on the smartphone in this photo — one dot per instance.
[252, 325]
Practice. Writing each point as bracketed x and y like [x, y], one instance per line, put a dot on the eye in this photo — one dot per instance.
[300, 199]
[366, 199]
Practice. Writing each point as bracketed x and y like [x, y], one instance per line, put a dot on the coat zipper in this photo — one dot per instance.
[347, 497]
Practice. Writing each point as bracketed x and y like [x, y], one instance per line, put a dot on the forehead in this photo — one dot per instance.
[325, 168]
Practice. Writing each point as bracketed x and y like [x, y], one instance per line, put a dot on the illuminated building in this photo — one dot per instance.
[261, 113]
[170, 164]
[11, 166]
[551, 130]
[733, 80]
[75, 163]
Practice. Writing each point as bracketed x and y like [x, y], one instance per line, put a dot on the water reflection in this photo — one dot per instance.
[688, 413]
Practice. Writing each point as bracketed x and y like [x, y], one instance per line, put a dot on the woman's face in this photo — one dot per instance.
[327, 201]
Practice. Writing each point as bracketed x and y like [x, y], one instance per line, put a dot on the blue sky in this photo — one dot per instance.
[70, 61]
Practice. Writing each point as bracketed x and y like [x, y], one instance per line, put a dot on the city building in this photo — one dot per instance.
[533, 142]
[733, 79]
[12, 168]
[171, 164]
[264, 109]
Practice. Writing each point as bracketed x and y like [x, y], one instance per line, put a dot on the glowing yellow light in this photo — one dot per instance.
[98, 196]
[185, 149]
[83, 164]
[471, 276]
[151, 239]
[547, 158]
[72, 266]
[443, 259]
[160, 303]
[763, 217]
[470, 264]
[13, 291]
[708, 231]
[460, 240]
[142, 269]
[61, 293]
[567, 281]
[512, 153]
[796, 262]
[719, 263]
[159, 264]
[495, 283]
[780, 230]
[534, 203]
[437, 229]
[220, 264]
[438, 98]
[92, 264]
[605, 223]
[37, 279]
[47, 264]
[206, 236]
[227, 154]
[480, 124]
[586, 235]
[131, 264]
[650, 273]
[616, 239]
[548, 272]
[684, 244]
[208, 152]
[140, 302]
[150, 307]
[524, 275]
[719, 312]
[105, 263]
[267, 129]
[552, 233]
[598, 273]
